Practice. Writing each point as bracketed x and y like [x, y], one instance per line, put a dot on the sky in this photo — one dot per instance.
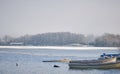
[20, 17]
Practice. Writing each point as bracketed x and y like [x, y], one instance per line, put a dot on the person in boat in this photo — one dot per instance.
[105, 55]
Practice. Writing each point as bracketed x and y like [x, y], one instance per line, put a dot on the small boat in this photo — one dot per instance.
[94, 64]
[63, 60]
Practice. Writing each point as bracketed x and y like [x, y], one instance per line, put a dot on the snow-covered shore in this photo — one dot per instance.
[58, 47]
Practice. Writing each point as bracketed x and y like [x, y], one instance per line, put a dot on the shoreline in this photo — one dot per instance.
[60, 47]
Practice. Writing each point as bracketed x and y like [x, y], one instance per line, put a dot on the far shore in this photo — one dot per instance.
[60, 47]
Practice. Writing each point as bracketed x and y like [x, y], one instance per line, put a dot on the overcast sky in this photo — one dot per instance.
[19, 17]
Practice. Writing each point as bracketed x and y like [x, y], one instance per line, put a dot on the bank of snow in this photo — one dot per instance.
[59, 47]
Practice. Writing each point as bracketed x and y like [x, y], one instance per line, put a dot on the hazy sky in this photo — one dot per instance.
[19, 17]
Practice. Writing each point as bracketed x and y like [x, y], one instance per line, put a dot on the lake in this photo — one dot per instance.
[30, 61]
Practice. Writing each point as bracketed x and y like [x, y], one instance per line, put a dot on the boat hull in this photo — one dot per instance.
[95, 66]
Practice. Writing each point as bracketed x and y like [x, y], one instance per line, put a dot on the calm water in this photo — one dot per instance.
[30, 61]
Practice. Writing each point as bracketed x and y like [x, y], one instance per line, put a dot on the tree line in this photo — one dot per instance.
[63, 38]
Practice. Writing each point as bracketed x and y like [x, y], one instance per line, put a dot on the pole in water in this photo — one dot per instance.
[16, 64]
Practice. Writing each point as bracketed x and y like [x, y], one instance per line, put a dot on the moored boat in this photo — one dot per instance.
[109, 63]
[95, 66]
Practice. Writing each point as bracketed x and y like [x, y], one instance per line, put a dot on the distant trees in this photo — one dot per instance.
[6, 40]
[59, 38]
[63, 38]
[108, 40]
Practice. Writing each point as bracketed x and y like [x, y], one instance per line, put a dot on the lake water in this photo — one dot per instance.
[30, 61]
